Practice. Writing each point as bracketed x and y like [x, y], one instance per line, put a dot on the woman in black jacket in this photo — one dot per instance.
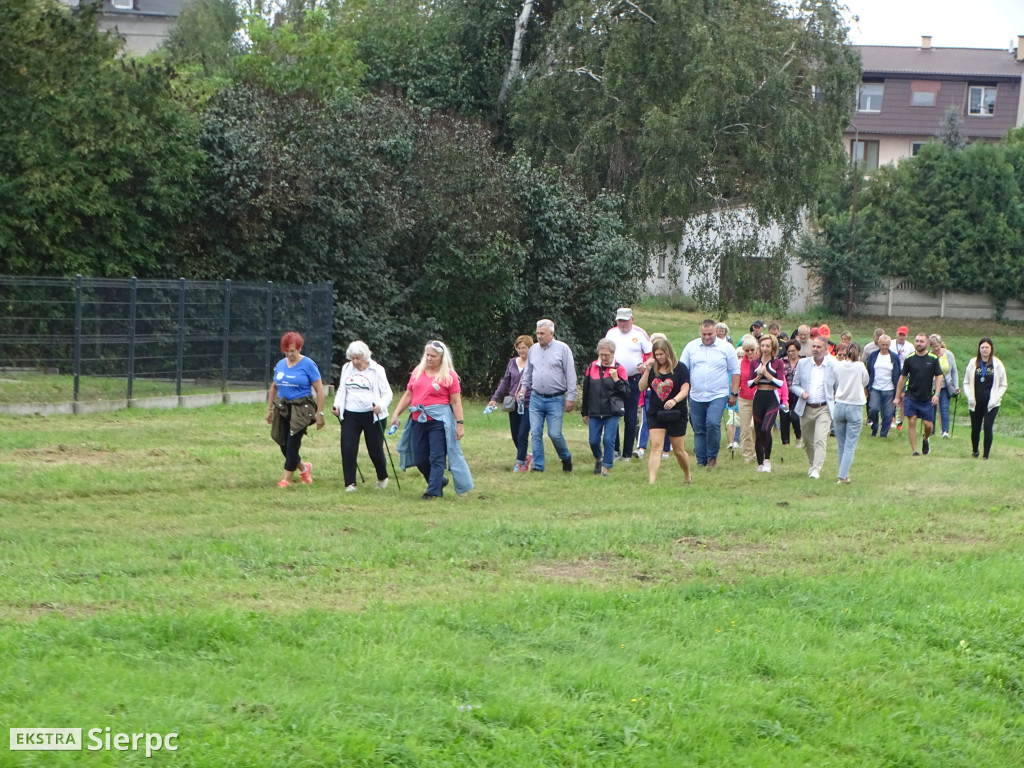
[605, 389]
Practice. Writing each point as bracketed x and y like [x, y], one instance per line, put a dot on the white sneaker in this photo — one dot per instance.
[760, 468]
[638, 453]
[350, 488]
[945, 435]
[767, 466]
[814, 474]
[665, 455]
[382, 484]
[799, 443]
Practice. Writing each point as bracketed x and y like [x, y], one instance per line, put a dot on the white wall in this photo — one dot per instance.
[720, 226]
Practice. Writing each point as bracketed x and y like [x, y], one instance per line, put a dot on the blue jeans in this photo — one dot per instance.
[610, 426]
[706, 420]
[431, 451]
[552, 409]
[847, 422]
[880, 410]
[943, 410]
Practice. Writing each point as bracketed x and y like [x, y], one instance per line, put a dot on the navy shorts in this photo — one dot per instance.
[923, 410]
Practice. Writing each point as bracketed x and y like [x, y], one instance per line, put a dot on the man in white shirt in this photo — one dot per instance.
[632, 347]
[814, 383]
[714, 383]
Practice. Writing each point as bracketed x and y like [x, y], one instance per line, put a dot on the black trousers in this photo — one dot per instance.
[291, 451]
[789, 419]
[982, 418]
[353, 425]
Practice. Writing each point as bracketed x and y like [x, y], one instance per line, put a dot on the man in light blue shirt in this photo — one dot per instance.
[714, 383]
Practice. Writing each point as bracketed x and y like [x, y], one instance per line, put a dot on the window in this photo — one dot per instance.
[915, 147]
[663, 265]
[869, 97]
[123, 5]
[981, 100]
[923, 93]
[864, 155]
[817, 95]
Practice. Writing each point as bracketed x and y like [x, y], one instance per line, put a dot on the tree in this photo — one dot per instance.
[688, 107]
[99, 161]
[951, 130]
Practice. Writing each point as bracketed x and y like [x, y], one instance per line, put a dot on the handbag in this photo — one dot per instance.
[669, 415]
[617, 405]
[508, 404]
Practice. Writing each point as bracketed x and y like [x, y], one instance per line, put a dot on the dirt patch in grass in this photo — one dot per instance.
[607, 569]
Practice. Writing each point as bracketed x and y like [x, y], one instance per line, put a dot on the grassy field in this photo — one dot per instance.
[154, 579]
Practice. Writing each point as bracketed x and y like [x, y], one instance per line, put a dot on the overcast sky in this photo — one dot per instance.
[951, 23]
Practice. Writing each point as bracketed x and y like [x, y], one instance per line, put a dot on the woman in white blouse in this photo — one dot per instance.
[361, 404]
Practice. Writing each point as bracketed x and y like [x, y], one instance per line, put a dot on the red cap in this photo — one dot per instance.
[903, 329]
[823, 330]
[815, 331]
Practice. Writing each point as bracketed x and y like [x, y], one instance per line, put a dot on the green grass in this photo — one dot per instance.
[154, 579]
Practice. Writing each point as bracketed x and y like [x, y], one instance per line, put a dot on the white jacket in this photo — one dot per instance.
[379, 386]
[999, 383]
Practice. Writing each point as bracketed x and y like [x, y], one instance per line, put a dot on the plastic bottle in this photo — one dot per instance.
[488, 409]
[392, 429]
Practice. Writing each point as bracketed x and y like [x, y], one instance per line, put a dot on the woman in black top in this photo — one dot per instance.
[667, 384]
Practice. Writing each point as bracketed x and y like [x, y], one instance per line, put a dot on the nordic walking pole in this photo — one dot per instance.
[952, 421]
[384, 434]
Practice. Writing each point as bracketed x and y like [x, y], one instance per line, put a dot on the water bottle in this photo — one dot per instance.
[488, 409]
[392, 429]
[519, 407]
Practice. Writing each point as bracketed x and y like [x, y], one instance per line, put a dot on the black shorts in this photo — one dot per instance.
[674, 425]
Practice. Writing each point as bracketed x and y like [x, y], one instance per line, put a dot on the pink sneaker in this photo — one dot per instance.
[529, 462]
[282, 483]
[306, 475]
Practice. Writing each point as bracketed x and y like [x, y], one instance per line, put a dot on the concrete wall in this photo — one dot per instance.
[185, 401]
[904, 299]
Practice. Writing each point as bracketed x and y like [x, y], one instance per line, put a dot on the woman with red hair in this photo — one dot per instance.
[291, 407]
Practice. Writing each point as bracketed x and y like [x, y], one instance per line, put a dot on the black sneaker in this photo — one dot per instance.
[597, 467]
[924, 446]
[444, 482]
[536, 469]
[567, 464]
[429, 497]
[916, 453]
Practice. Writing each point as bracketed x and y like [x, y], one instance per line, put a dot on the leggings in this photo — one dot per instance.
[981, 417]
[354, 424]
[291, 451]
[764, 401]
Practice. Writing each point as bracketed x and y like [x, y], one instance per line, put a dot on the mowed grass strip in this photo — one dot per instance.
[153, 578]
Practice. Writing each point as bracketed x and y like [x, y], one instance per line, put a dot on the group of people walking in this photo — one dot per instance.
[807, 385]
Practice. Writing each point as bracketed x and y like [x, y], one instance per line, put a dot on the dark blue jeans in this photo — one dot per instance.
[431, 452]
[706, 420]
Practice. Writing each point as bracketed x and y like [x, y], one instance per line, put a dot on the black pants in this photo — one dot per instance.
[982, 417]
[765, 407]
[352, 425]
[291, 451]
[787, 419]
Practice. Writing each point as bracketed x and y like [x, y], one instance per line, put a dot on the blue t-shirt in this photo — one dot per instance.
[296, 381]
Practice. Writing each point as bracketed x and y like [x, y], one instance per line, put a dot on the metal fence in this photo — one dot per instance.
[218, 333]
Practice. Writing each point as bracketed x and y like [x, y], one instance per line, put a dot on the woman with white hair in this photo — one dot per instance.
[361, 405]
[435, 426]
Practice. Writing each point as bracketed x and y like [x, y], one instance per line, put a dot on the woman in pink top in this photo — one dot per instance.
[433, 397]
